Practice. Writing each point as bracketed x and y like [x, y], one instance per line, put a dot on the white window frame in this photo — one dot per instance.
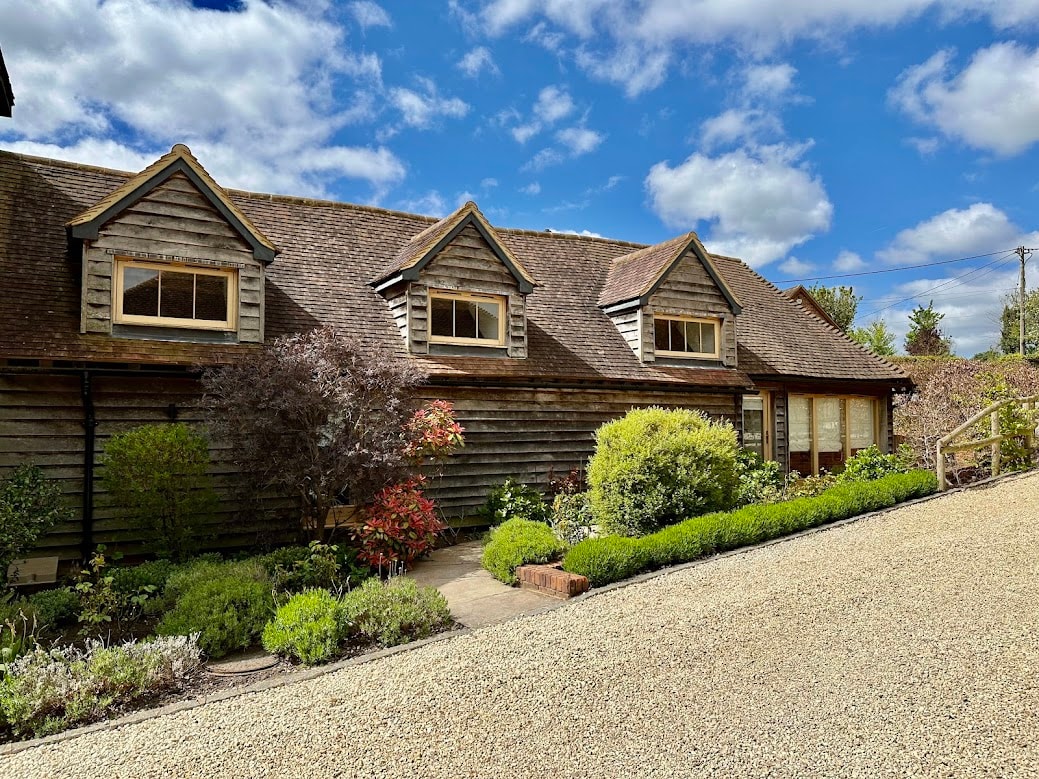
[231, 274]
[715, 355]
[474, 297]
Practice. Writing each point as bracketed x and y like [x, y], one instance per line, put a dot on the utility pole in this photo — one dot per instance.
[1023, 253]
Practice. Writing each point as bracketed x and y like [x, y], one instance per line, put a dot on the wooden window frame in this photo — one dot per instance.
[715, 355]
[846, 421]
[475, 297]
[231, 274]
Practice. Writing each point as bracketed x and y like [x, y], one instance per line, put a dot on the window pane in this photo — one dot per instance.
[692, 337]
[660, 341]
[828, 424]
[488, 315]
[177, 295]
[861, 413]
[465, 319]
[442, 317]
[754, 424]
[211, 298]
[140, 291]
[800, 423]
[707, 339]
[677, 329]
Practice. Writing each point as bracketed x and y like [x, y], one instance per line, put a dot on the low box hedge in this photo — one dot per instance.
[519, 542]
[613, 558]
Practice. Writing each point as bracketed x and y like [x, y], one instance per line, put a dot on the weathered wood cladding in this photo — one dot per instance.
[780, 446]
[627, 324]
[530, 433]
[41, 421]
[689, 290]
[466, 264]
[174, 219]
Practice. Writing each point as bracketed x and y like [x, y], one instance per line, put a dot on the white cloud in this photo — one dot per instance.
[760, 203]
[478, 61]
[251, 91]
[431, 203]
[795, 267]
[738, 125]
[992, 104]
[958, 232]
[762, 91]
[585, 233]
[524, 132]
[533, 188]
[553, 104]
[421, 110]
[369, 14]
[925, 147]
[638, 69]
[543, 159]
[580, 140]
[488, 183]
[848, 262]
[769, 82]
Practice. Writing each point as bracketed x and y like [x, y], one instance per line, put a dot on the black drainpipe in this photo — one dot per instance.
[89, 426]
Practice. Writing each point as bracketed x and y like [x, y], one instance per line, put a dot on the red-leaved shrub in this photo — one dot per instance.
[433, 433]
[399, 525]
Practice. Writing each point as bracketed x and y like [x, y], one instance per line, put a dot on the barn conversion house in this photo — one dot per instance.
[116, 286]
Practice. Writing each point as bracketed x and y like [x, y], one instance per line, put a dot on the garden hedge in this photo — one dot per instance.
[613, 558]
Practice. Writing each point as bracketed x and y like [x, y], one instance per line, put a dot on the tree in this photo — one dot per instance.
[1010, 330]
[318, 414]
[30, 505]
[925, 337]
[876, 337]
[841, 303]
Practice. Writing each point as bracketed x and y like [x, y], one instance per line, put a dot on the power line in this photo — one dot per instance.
[945, 295]
[890, 270]
[955, 281]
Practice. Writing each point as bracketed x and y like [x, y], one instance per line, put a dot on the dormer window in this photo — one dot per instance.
[157, 294]
[686, 337]
[466, 318]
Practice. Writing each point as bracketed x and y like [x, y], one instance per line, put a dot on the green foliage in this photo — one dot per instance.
[876, 337]
[46, 691]
[1014, 421]
[324, 566]
[572, 519]
[519, 542]
[610, 559]
[1010, 324]
[157, 477]
[841, 303]
[208, 567]
[30, 506]
[54, 608]
[760, 481]
[656, 466]
[511, 500]
[17, 629]
[310, 627]
[925, 337]
[870, 464]
[154, 573]
[798, 486]
[395, 612]
[227, 612]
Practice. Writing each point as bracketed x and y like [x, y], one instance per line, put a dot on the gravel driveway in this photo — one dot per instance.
[906, 644]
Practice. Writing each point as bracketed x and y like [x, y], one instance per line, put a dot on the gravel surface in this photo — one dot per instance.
[906, 644]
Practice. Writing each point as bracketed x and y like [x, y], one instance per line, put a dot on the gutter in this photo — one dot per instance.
[89, 430]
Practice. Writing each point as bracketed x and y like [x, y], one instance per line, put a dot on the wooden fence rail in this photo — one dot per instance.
[995, 440]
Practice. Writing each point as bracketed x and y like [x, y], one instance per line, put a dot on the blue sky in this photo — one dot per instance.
[809, 138]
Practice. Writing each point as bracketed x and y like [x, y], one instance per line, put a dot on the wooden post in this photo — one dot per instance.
[996, 445]
[939, 467]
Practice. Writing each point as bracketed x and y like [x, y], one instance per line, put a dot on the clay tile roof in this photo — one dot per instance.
[802, 295]
[85, 224]
[636, 275]
[424, 245]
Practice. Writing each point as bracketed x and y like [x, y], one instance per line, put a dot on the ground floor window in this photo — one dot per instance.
[824, 430]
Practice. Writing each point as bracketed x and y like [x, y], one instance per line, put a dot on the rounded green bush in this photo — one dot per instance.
[519, 542]
[395, 612]
[654, 467]
[310, 627]
[228, 613]
[54, 608]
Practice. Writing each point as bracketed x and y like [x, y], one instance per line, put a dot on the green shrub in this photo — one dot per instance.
[30, 506]
[206, 568]
[798, 486]
[870, 464]
[310, 627]
[17, 629]
[518, 542]
[511, 499]
[227, 613]
[157, 476]
[655, 466]
[613, 558]
[46, 691]
[131, 579]
[572, 517]
[54, 608]
[759, 481]
[395, 612]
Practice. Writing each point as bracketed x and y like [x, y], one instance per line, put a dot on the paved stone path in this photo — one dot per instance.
[906, 644]
[476, 598]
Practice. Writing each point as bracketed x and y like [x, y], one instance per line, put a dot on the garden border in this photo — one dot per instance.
[319, 671]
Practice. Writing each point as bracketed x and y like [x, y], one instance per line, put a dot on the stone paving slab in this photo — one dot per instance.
[476, 598]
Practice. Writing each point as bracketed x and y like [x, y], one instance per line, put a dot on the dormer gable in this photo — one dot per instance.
[804, 298]
[672, 305]
[455, 289]
[181, 161]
